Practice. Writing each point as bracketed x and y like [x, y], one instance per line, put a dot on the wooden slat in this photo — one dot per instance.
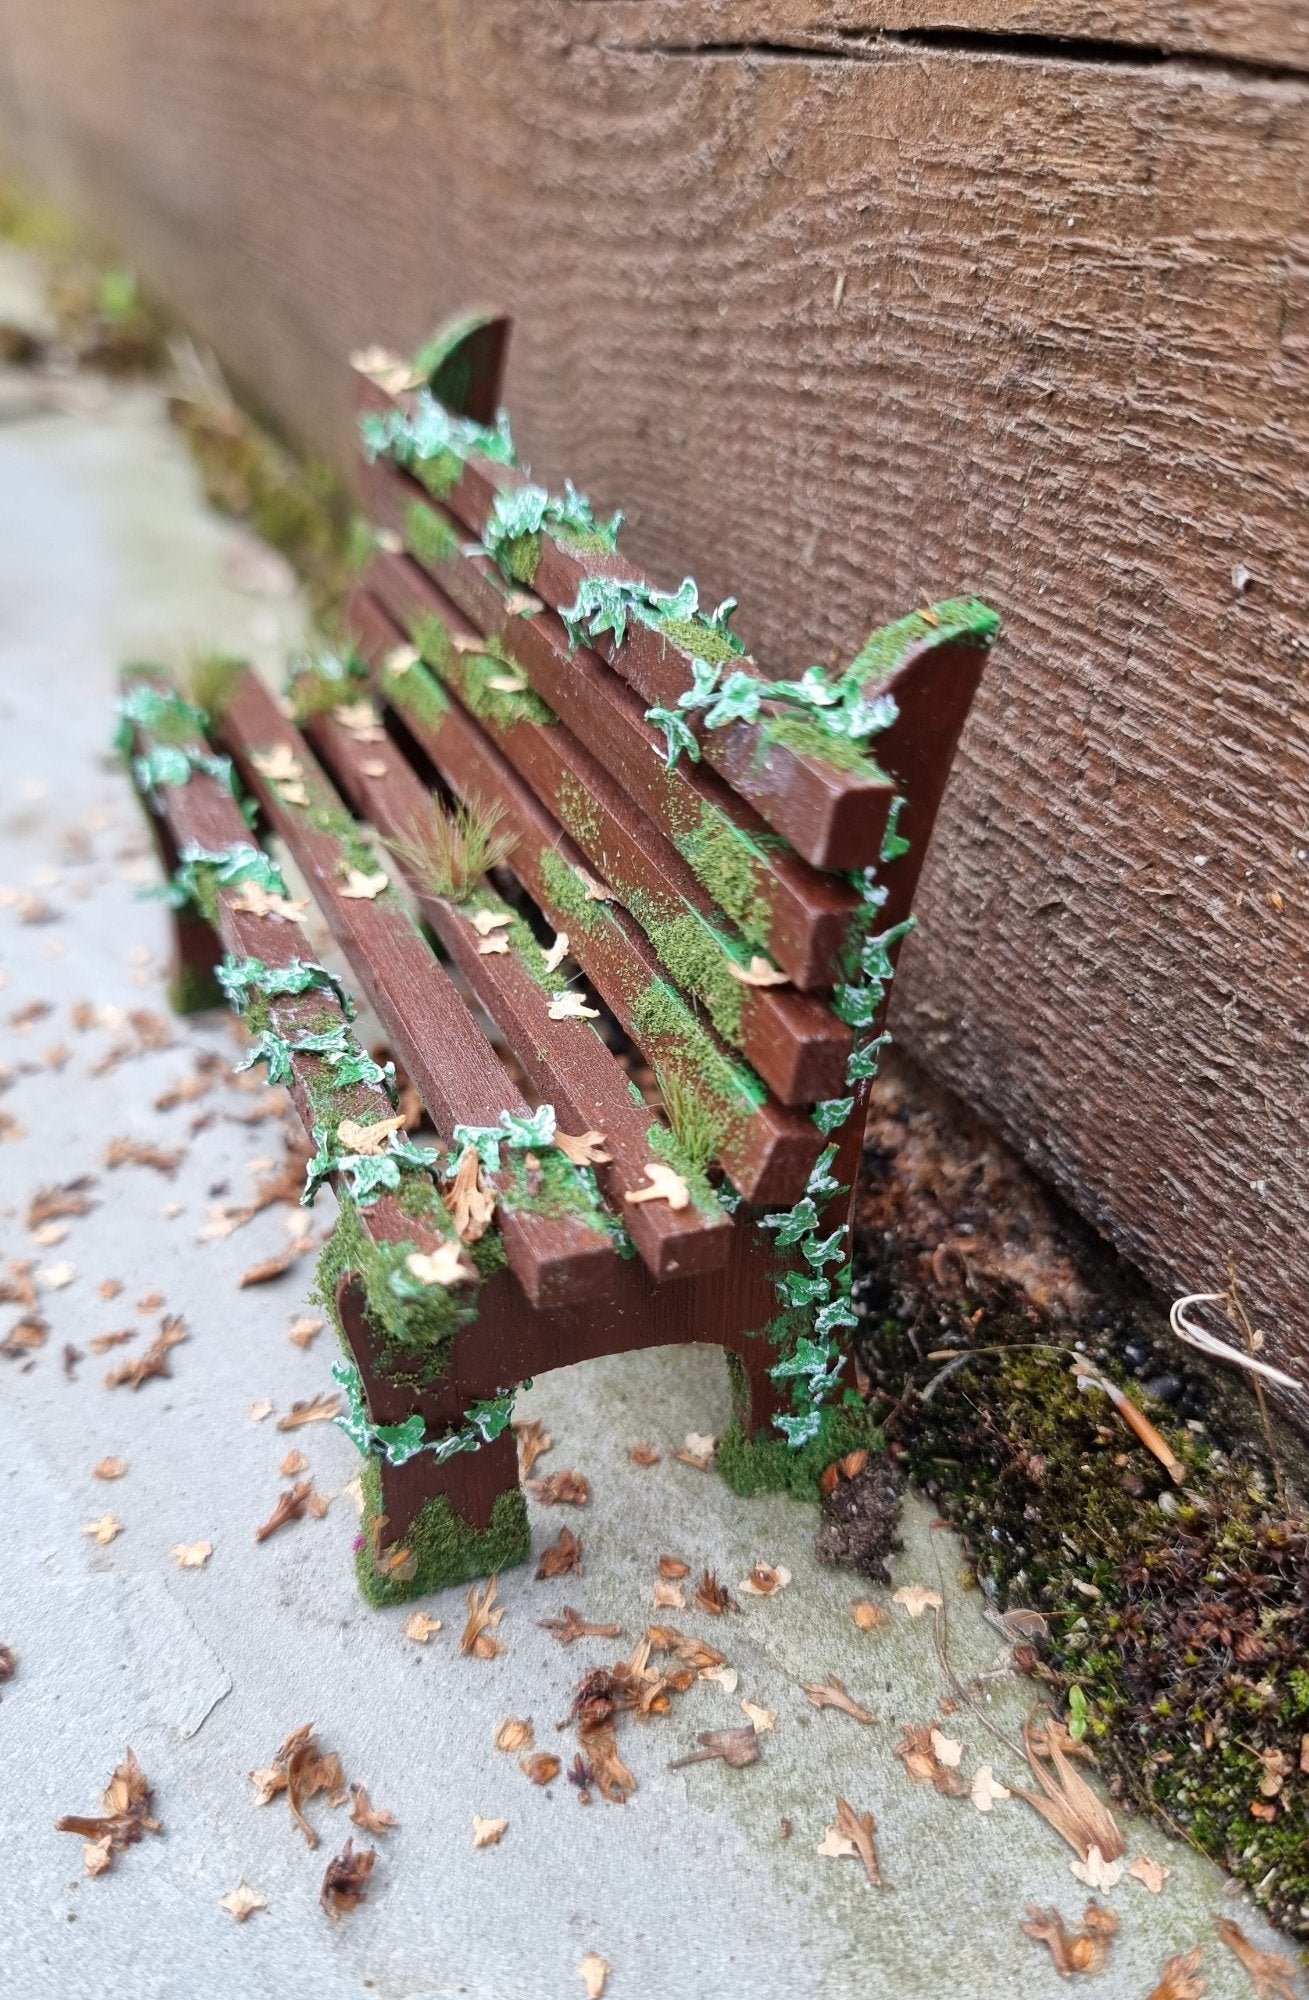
[835, 818]
[792, 1039]
[568, 1063]
[204, 813]
[770, 1151]
[454, 1067]
[799, 915]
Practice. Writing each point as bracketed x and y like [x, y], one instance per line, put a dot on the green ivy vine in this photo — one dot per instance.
[482, 1423]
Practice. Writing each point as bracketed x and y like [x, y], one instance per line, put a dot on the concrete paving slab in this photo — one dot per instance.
[691, 1888]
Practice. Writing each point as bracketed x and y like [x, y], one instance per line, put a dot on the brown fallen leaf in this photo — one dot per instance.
[606, 1768]
[126, 1818]
[560, 1489]
[132, 1374]
[110, 1468]
[290, 1506]
[1069, 1805]
[8, 1663]
[419, 1627]
[136, 1153]
[515, 1734]
[759, 972]
[317, 1410]
[573, 1626]
[593, 1972]
[471, 1205]
[275, 1266]
[488, 1832]
[986, 1789]
[261, 1410]
[293, 1465]
[533, 1442]
[302, 1770]
[542, 1769]
[832, 1694]
[584, 1149]
[737, 1747]
[673, 1568]
[1152, 1873]
[643, 1454]
[662, 1184]
[1083, 1950]
[243, 1901]
[69, 1198]
[1271, 1975]
[345, 1881]
[369, 1140]
[916, 1598]
[479, 1634]
[870, 1617]
[562, 1558]
[853, 1835]
[919, 1750]
[1181, 1978]
[104, 1341]
[25, 1336]
[711, 1596]
[368, 1816]
[765, 1580]
[305, 1331]
[698, 1451]
[192, 1555]
[669, 1596]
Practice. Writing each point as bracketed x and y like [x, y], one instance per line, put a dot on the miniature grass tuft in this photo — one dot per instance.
[211, 682]
[452, 851]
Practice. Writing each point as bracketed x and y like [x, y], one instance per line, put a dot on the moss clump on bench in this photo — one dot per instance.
[766, 1463]
[415, 1324]
[445, 1548]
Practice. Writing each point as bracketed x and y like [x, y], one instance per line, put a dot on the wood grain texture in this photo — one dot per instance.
[845, 331]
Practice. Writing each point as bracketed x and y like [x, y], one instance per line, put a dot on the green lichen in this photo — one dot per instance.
[432, 537]
[447, 1549]
[733, 868]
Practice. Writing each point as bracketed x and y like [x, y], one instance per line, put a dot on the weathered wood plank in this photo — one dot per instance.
[845, 332]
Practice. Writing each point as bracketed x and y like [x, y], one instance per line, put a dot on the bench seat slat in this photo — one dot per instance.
[458, 1075]
[835, 818]
[800, 916]
[768, 1150]
[792, 1039]
[567, 1061]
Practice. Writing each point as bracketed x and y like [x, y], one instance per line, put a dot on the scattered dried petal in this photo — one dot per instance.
[373, 1819]
[853, 1835]
[345, 1881]
[192, 1555]
[761, 1719]
[111, 1468]
[832, 1694]
[584, 1149]
[542, 1769]
[562, 1558]
[478, 1635]
[488, 1832]
[1084, 1950]
[318, 1410]
[593, 1972]
[765, 1581]
[515, 1734]
[759, 972]
[369, 1140]
[471, 1204]
[560, 1489]
[737, 1747]
[243, 1901]
[870, 1617]
[106, 1529]
[916, 1599]
[446, 1265]
[419, 1627]
[986, 1789]
[1152, 1873]
[1181, 1978]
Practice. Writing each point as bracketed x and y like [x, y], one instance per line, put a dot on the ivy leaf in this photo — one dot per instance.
[679, 736]
[705, 676]
[739, 700]
[401, 1442]
[832, 1112]
[802, 1288]
[799, 1431]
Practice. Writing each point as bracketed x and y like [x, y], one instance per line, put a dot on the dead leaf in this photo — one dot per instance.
[70, 1198]
[711, 1596]
[669, 1596]
[515, 1734]
[253, 900]
[8, 1663]
[368, 1816]
[290, 1506]
[111, 1468]
[192, 1555]
[986, 1789]
[1096, 1871]
[446, 1265]
[765, 1581]
[759, 972]
[478, 1634]
[280, 764]
[1067, 1802]
[54, 1277]
[374, 767]
[507, 683]
[471, 1204]
[1271, 1975]
[302, 1770]
[153, 1362]
[832, 1694]
[573, 1626]
[560, 1489]
[318, 1410]
[723, 1677]
[533, 1442]
[643, 1454]
[305, 1331]
[916, 1599]
[542, 1769]
[1084, 1950]
[488, 1832]
[562, 1558]
[1181, 1978]
[761, 1720]
[737, 1747]
[1153, 1873]
[356, 886]
[870, 1617]
[401, 659]
[243, 1901]
[593, 1972]
[663, 1185]
[673, 1567]
[853, 1835]
[557, 953]
[275, 1266]
[485, 921]
[125, 1820]
[293, 1465]
[369, 1140]
[917, 1752]
[697, 1451]
[568, 1006]
[259, 1412]
[106, 1529]
[419, 1627]
[584, 1149]
[362, 721]
[136, 1153]
[345, 1882]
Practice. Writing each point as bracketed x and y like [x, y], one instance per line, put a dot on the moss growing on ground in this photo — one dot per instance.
[446, 1548]
[766, 1463]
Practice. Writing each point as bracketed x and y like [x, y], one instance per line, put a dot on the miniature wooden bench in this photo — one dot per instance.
[628, 912]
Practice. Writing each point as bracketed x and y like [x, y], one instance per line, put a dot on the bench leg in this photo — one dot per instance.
[426, 1525]
[197, 949]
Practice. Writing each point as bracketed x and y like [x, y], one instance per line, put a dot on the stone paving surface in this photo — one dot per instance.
[105, 553]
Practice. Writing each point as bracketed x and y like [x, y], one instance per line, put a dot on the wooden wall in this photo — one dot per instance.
[846, 320]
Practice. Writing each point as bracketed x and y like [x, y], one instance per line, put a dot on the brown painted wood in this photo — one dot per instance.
[449, 1059]
[794, 1041]
[808, 913]
[833, 817]
[567, 1062]
[773, 1150]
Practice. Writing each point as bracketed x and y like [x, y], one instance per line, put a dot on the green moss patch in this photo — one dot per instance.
[766, 1463]
[414, 1324]
[885, 651]
[447, 1549]
[430, 535]
[728, 864]
[810, 739]
[193, 992]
